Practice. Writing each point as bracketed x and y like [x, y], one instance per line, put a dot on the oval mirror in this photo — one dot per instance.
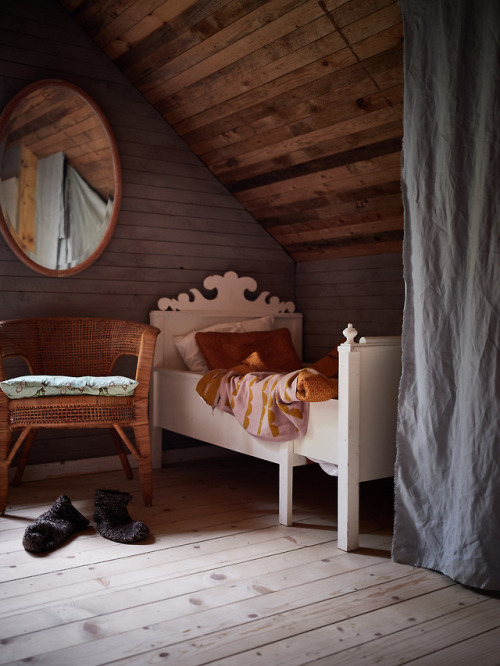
[60, 178]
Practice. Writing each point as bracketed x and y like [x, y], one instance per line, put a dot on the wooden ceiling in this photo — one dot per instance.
[295, 105]
[54, 118]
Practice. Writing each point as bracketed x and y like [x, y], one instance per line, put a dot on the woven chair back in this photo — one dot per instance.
[68, 345]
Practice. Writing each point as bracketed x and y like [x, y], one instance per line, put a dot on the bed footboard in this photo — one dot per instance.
[356, 433]
[369, 373]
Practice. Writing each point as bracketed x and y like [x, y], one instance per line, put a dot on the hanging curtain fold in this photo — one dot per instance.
[447, 475]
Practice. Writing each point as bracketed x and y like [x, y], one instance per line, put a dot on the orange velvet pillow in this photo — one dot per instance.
[225, 350]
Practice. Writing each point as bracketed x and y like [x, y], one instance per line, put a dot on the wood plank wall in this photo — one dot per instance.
[177, 224]
[365, 291]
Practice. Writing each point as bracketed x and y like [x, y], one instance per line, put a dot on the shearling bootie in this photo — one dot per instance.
[54, 526]
[112, 519]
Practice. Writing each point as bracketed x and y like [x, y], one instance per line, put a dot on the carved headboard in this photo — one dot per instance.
[194, 311]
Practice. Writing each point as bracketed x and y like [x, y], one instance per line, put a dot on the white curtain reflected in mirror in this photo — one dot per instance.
[60, 180]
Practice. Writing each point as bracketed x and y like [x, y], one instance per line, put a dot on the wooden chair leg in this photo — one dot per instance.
[28, 444]
[121, 454]
[142, 453]
[8, 452]
[4, 485]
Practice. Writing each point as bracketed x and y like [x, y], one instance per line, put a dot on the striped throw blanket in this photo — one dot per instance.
[272, 406]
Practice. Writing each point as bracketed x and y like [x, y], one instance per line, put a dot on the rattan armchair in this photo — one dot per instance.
[76, 346]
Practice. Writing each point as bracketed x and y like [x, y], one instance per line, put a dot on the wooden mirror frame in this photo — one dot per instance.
[5, 117]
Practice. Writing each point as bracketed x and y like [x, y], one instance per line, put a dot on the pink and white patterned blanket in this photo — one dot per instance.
[271, 406]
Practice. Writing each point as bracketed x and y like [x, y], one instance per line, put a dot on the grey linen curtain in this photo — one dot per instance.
[447, 476]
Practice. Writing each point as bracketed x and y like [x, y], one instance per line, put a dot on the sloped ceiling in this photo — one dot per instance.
[295, 105]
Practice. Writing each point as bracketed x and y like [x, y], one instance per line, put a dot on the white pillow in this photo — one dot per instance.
[38, 386]
[188, 348]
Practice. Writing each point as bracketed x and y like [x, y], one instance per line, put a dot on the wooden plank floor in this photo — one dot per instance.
[220, 582]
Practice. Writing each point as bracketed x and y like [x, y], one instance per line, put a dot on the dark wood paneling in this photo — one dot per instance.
[177, 223]
[301, 99]
[366, 291]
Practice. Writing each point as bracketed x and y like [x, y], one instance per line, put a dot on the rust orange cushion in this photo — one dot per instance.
[225, 350]
[328, 365]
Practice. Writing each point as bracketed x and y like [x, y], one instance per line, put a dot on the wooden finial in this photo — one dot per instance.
[350, 333]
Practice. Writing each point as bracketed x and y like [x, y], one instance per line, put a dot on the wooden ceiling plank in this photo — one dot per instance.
[55, 106]
[292, 82]
[354, 10]
[174, 37]
[344, 233]
[52, 123]
[93, 14]
[326, 133]
[383, 41]
[92, 147]
[372, 23]
[389, 77]
[302, 33]
[295, 105]
[349, 83]
[293, 85]
[346, 84]
[174, 118]
[178, 45]
[382, 236]
[288, 218]
[325, 212]
[354, 238]
[273, 60]
[53, 143]
[348, 193]
[319, 54]
[385, 167]
[343, 226]
[377, 130]
[362, 247]
[330, 140]
[87, 157]
[343, 151]
[283, 122]
[391, 220]
[132, 27]
[282, 220]
[344, 252]
[241, 39]
[90, 141]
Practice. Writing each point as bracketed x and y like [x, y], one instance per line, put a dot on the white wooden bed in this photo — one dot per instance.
[355, 433]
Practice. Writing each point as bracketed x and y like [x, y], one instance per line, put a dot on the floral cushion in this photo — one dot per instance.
[45, 386]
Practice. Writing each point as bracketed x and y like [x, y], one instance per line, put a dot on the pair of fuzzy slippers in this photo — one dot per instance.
[62, 520]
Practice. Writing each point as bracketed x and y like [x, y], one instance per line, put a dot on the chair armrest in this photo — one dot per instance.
[145, 361]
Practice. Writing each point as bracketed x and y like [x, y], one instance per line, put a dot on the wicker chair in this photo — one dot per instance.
[76, 347]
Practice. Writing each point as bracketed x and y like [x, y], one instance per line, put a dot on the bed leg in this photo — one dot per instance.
[286, 483]
[348, 453]
[348, 512]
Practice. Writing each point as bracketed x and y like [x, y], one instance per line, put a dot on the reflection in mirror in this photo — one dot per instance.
[60, 180]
